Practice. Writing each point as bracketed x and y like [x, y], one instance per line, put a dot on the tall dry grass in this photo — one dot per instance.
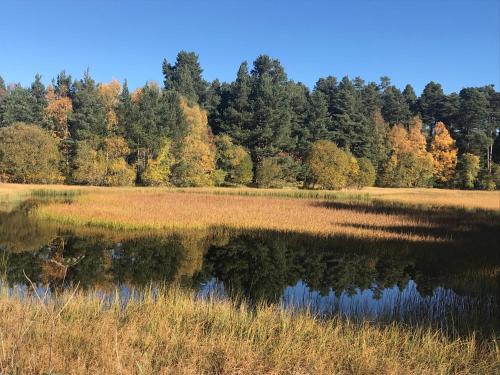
[171, 332]
[467, 199]
[356, 216]
[133, 209]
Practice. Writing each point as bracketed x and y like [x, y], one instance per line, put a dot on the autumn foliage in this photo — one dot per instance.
[109, 93]
[195, 152]
[56, 113]
[409, 165]
[158, 171]
[103, 163]
[329, 166]
[444, 153]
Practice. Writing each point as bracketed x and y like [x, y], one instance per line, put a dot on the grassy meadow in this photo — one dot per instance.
[173, 332]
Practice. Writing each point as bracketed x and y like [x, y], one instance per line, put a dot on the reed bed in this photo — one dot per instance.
[466, 199]
[346, 215]
[136, 209]
[171, 332]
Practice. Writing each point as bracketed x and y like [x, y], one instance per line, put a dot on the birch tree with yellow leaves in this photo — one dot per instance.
[410, 164]
[195, 151]
[444, 153]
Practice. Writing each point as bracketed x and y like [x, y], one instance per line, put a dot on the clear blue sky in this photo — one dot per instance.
[453, 42]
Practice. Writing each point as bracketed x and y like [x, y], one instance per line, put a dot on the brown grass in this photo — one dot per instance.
[141, 209]
[486, 200]
[177, 334]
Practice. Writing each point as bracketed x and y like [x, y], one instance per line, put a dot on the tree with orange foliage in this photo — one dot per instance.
[410, 165]
[400, 141]
[416, 137]
[444, 152]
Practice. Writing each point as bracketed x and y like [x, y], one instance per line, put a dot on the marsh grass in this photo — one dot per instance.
[54, 193]
[170, 331]
[355, 195]
[328, 214]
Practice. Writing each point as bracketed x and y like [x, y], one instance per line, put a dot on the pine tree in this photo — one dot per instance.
[3, 95]
[299, 105]
[236, 111]
[351, 128]
[270, 130]
[431, 105]
[474, 132]
[147, 126]
[380, 146]
[125, 114]
[185, 77]
[328, 86]
[88, 120]
[3, 90]
[371, 99]
[411, 99]
[395, 108]
[212, 105]
[40, 102]
[318, 124]
[18, 106]
[63, 84]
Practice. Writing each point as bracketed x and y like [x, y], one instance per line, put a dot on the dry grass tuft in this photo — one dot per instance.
[176, 334]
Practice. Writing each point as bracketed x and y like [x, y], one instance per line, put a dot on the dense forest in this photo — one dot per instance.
[262, 129]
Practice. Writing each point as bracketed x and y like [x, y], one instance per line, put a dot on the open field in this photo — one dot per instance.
[177, 334]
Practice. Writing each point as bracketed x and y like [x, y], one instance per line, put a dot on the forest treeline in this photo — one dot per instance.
[262, 129]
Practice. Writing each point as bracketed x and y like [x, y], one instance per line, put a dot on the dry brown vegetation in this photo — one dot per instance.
[177, 334]
[165, 209]
[354, 214]
[486, 200]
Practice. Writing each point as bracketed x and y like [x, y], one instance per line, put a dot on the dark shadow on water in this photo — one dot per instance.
[453, 284]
